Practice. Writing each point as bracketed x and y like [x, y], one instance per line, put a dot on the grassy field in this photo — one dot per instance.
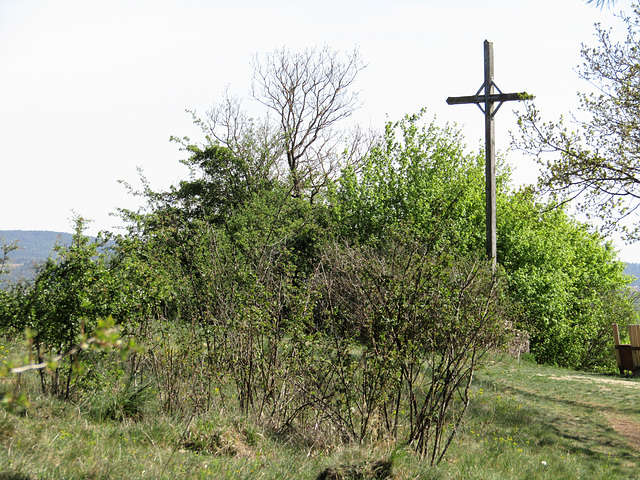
[525, 421]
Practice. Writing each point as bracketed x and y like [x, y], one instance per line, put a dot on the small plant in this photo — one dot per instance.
[380, 470]
[126, 402]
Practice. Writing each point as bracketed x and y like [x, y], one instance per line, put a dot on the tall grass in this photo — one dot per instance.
[524, 421]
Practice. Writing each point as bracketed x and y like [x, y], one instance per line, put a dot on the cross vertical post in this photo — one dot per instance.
[490, 153]
[486, 102]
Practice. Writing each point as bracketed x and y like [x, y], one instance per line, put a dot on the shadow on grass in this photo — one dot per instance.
[565, 423]
[13, 476]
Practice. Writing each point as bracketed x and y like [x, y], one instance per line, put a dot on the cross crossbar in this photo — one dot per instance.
[501, 97]
[486, 95]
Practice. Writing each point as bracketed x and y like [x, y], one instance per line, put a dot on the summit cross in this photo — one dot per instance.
[486, 98]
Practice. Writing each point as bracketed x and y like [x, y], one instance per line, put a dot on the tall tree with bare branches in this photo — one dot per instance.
[595, 161]
[309, 93]
[601, 3]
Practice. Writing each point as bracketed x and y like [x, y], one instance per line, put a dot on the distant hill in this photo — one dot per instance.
[34, 247]
[633, 269]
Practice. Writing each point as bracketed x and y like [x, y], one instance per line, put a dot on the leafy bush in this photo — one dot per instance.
[568, 281]
[419, 175]
[565, 279]
[66, 299]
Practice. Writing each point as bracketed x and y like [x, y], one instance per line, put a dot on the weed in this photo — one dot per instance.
[126, 402]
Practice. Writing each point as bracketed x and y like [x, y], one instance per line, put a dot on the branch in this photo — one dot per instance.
[106, 336]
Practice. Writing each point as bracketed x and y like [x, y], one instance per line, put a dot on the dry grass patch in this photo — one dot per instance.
[626, 427]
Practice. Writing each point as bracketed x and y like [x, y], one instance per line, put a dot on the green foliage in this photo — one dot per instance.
[221, 181]
[66, 299]
[567, 280]
[420, 176]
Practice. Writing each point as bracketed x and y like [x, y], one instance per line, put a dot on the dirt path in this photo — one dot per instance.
[601, 380]
[622, 424]
[627, 428]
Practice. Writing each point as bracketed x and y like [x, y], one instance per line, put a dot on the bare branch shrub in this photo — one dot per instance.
[408, 327]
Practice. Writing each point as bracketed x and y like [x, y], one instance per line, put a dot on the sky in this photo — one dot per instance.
[92, 90]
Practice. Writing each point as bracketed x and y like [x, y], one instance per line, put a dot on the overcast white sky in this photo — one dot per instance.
[92, 89]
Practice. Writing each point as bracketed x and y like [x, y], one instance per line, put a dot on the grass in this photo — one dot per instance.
[531, 421]
[526, 421]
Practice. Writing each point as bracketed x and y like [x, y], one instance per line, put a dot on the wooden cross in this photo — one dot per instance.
[488, 97]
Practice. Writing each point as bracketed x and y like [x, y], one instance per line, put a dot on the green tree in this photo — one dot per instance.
[220, 183]
[596, 162]
[566, 278]
[67, 297]
[418, 174]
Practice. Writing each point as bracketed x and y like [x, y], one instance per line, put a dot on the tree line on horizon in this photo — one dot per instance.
[36, 246]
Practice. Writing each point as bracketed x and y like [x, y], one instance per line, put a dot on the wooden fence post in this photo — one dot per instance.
[616, 342]
[634, 336]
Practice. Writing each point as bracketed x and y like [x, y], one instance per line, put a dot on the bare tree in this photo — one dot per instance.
[309, 93]
[601, 3]
[596, 161]
[255, 141]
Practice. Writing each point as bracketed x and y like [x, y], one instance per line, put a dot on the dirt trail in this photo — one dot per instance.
[622, 424]
[627, 428]
[581, 378]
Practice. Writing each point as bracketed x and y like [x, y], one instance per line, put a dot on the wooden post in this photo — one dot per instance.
[634, 337]
[616, 334]
[489, 98]
[616, 343]
[490, 156]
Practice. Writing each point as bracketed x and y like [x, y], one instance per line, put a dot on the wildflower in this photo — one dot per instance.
[544, 463]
